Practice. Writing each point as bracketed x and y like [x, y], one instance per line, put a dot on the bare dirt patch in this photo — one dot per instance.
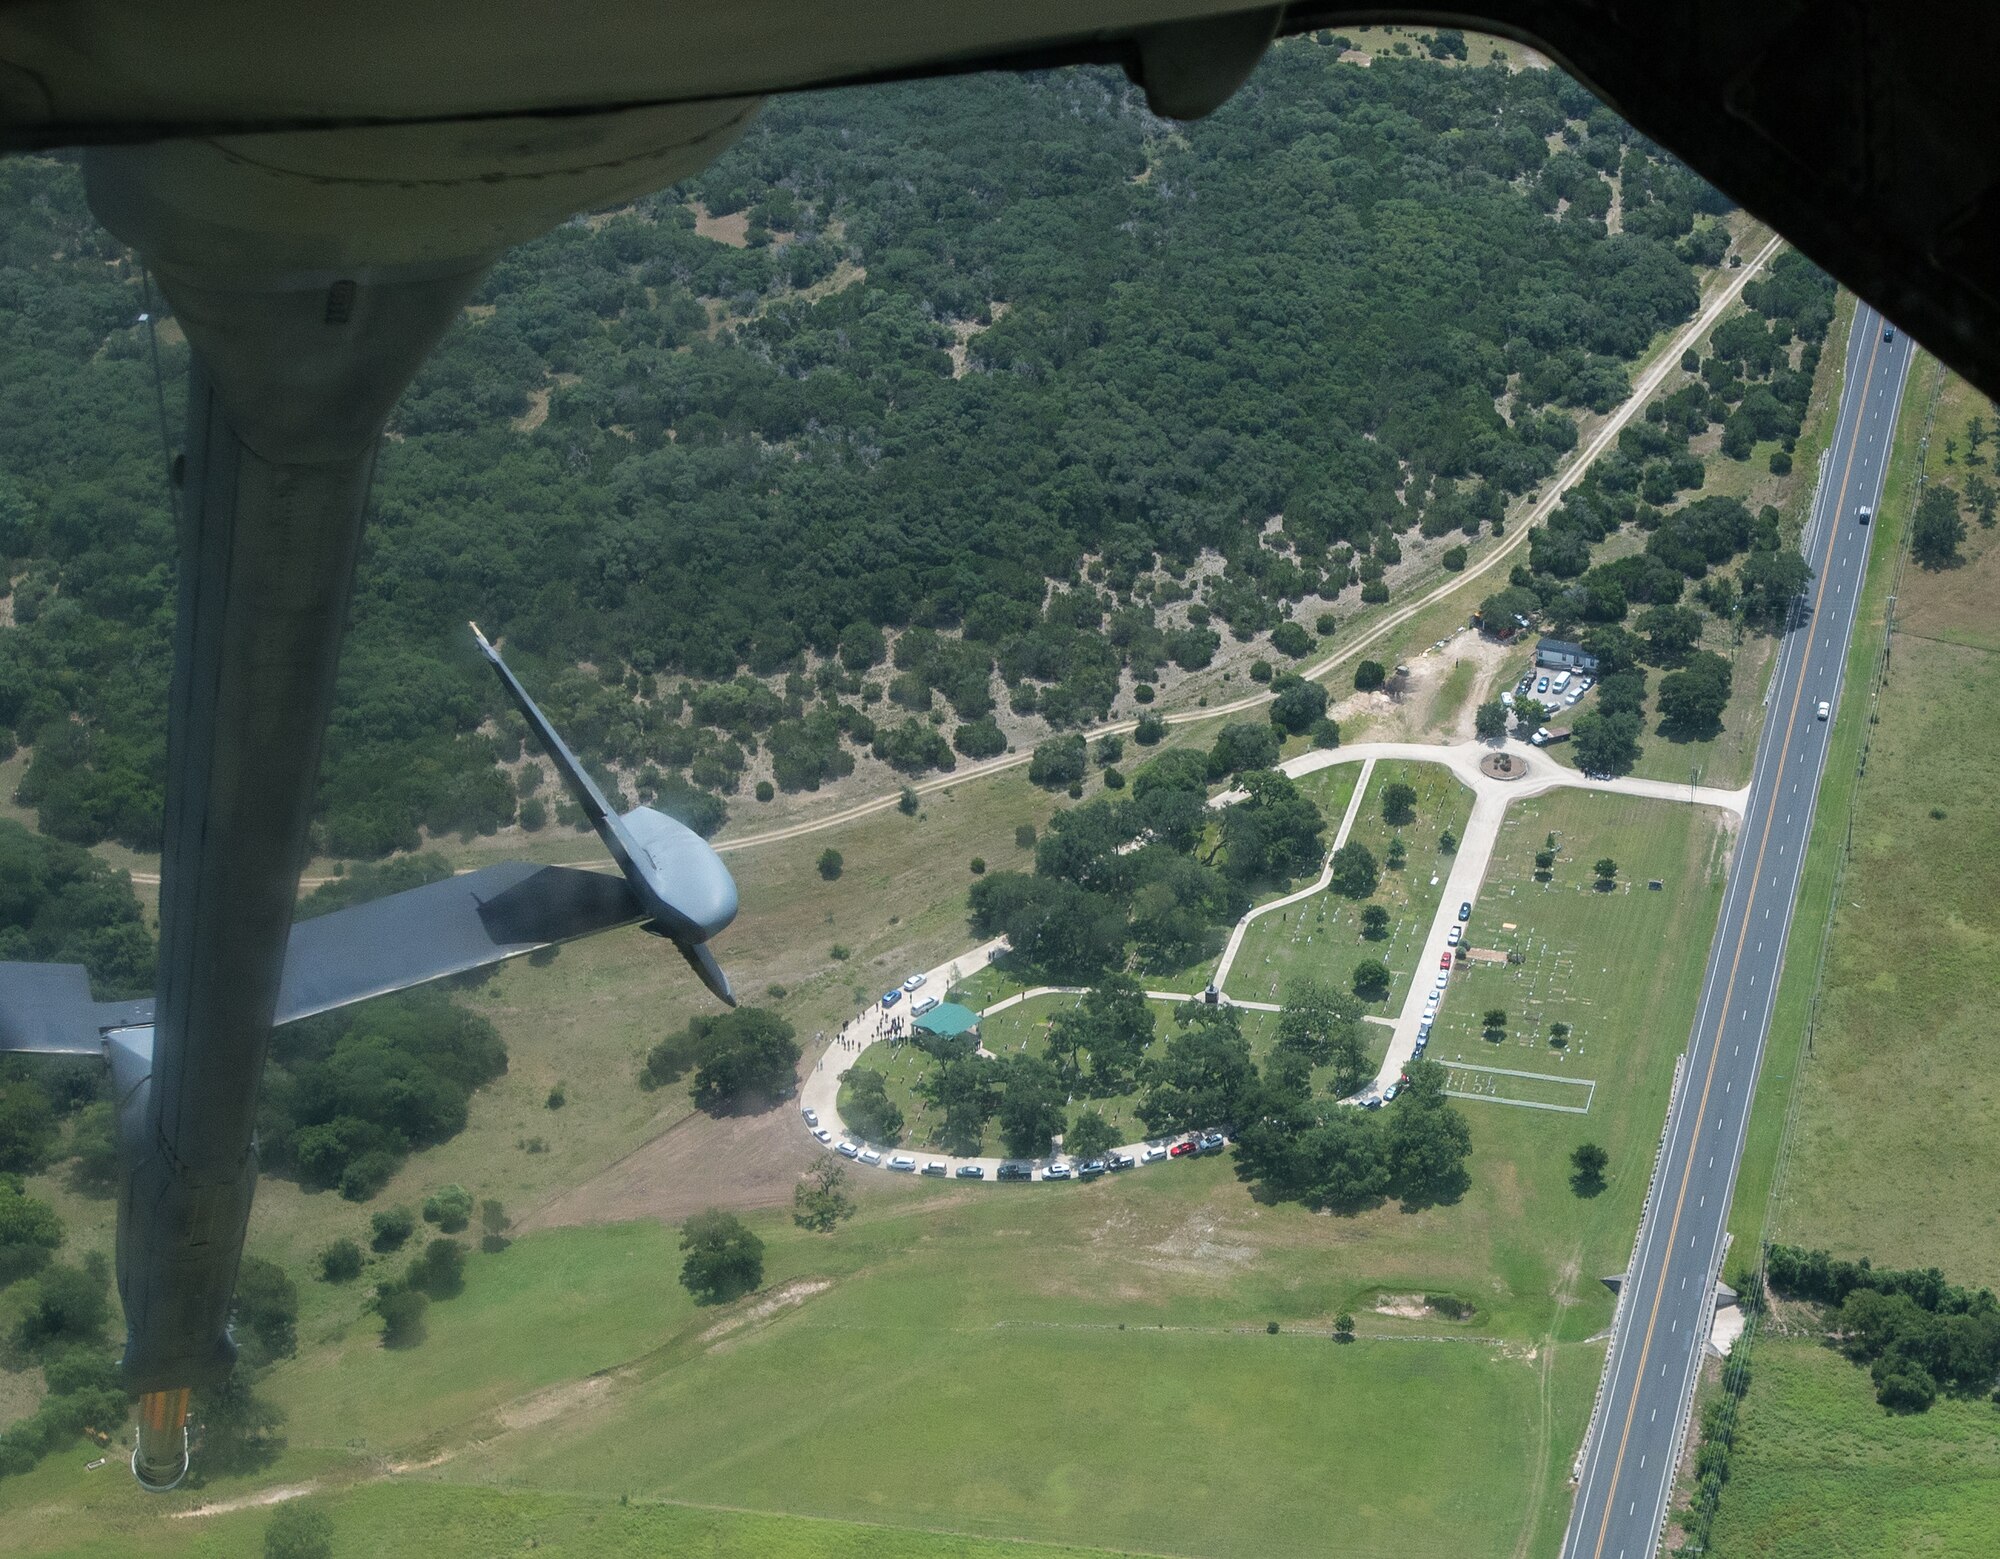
[223, 1507]
[1192, 1248]
[963, 330]
[537, 412]
[1409, 1307]
[733, 1161]
[794, 1293]
[732, 230]
[542, 1406]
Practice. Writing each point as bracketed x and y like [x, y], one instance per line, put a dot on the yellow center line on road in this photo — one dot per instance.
[1729, 990]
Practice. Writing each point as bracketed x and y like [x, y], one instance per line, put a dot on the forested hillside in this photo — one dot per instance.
[902, 360]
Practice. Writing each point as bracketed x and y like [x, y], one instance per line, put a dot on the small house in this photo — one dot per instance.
[1561, 655]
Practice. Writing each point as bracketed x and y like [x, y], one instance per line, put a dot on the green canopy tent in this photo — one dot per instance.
[948, 1020]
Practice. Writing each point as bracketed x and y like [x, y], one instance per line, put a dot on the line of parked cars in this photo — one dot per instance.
[1560, 686]
[1020, 1169]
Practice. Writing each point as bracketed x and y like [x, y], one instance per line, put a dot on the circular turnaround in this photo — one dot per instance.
[1503, 766]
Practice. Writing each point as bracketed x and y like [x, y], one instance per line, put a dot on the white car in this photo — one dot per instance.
[822, 1134]
[1443, 979]
[1824, 709]
[811, 1115]
[1586, 684]
[904, 1163]
[1153, 1154]
[1454, 936]
[1572, 696]
[846, 1149]
[871, 1155]
[915, 982]
[1056, 1172]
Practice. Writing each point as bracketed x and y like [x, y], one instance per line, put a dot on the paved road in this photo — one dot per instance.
[1664, 1312]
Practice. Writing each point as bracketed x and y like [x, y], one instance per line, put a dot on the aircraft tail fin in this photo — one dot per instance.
[47, 1009]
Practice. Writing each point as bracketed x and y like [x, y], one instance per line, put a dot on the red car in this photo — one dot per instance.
[1180, 1150]
[1445, 962]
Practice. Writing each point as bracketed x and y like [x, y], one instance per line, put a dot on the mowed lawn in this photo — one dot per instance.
[1320, 937]
[1820, 1470]
[1605, 963]
[1330, 790]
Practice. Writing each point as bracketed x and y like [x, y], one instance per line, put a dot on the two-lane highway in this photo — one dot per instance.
[1663, 1314]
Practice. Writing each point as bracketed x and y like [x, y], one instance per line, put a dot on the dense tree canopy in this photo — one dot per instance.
[968, 351]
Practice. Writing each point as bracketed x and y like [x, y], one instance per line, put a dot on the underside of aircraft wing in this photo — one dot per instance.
[391, 944]
[444, 928]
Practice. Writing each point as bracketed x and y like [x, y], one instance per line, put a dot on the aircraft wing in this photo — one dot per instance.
[444, 928]
[390, 944]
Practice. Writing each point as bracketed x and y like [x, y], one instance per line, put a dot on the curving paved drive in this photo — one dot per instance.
[821, 1091]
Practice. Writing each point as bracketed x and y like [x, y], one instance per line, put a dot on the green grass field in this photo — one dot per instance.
[1820, 1470]
[1894, 1101]
[1095, 1370]
[1589, 959]
[424, 1517]
[1901, 1052]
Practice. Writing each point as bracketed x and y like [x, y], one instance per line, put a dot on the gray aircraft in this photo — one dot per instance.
[177, 1278]
[319, 189]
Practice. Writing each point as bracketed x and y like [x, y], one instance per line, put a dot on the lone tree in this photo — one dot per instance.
[340, 1262]
[1937, 531]
[1369, 675]
[1354, 870]
[1448, 843]
[1399, 804]
[449, 1207]
[1343, 1327]
[1489, 720]
[1495, 1023]
[1545, 865]
[299, 1531]
[724, 1259]
[402, 1311]
[830, 864]
[1375, 922]
[1587, 1164]
[818, 1202]
[1559, 1035]
[1371, 979]
[1607, 874]
[1090, 1135]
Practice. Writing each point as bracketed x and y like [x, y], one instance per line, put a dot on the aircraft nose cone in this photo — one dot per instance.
[704, 891]
[687, 875]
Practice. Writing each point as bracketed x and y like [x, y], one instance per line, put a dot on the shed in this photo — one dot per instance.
[948, 1020]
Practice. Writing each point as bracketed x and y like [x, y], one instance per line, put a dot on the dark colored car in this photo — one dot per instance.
[1465, 910]
[971, 1172]
[1090, 1169]
[1015, 1171]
